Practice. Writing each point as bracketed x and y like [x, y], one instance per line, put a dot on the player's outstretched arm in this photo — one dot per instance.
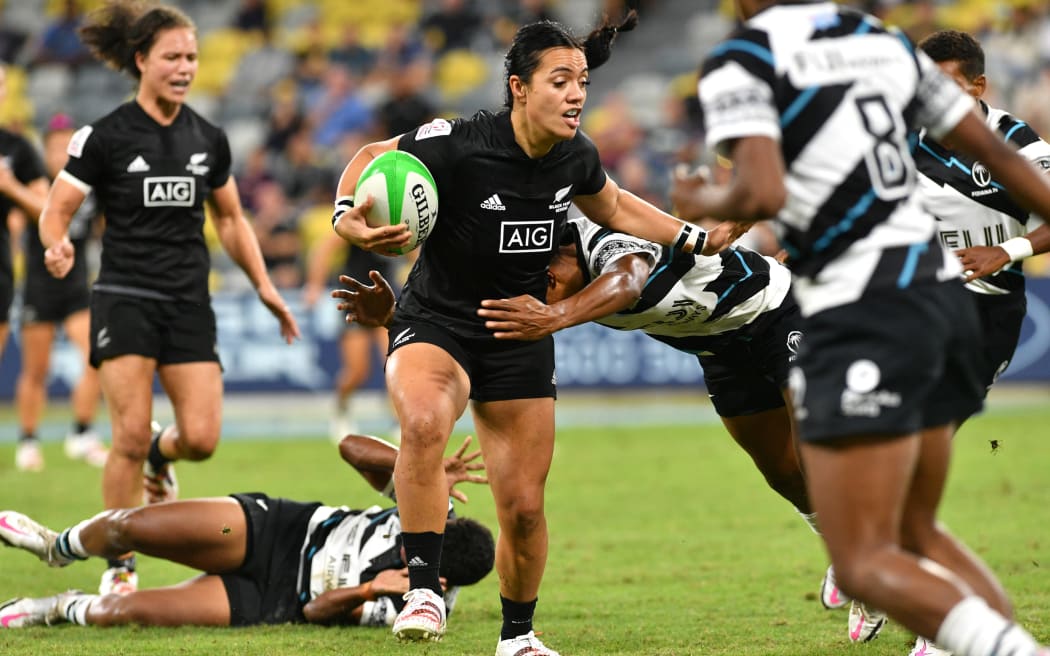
[374, 459]
[525, 318]
[369, 305]
[981, 261]
[239, 241]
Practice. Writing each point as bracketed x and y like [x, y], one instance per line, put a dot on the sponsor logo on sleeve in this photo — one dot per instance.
[439, 127]
[77, 141]
[526, 236]
[169, 191]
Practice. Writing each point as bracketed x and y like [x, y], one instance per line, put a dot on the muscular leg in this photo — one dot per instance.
[200, 601]
[517, 440]
[86, 393]
[205, 534]
[767, 438]
[876, 473]
[195, 390]
[127, 383]
[31, 389]
[922, 534]
[429, 390]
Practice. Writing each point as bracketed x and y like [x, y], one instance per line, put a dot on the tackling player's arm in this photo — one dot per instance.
[617, 288]
[239, 241]
[371, 306]
[374, 459]
[62, 202]
[348, 219]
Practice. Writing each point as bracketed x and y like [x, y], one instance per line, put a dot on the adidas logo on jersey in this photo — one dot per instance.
[138, 165]
[417, 562]
[493, 203]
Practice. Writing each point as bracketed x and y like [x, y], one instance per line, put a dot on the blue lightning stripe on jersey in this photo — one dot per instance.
[846, 222]
[743, 46]
[952, 161]
[746, 276]
[1020, 124]
[910, 263]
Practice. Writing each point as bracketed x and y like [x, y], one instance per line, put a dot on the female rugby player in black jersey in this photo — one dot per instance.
[153, 163]
[505, 182]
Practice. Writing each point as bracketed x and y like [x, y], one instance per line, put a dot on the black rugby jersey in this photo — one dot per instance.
[37, 274]
[25, 164]
[151, 181]
[499, 219]
[973, 209]
[687, 297]
[844, 97]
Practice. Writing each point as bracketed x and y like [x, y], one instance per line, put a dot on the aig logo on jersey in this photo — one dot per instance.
[169, 191]
[526, 236]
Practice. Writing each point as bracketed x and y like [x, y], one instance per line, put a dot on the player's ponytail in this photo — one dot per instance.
[598, 44]
[533, 39]
[118, 30]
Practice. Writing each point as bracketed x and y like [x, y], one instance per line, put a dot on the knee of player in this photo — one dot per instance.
[197, 440]
[424, 431]
[131, 444]
[121, 528]
[522, 513]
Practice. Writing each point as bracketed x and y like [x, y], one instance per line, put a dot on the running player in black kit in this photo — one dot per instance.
[818, 106]
[23, 186]
[505, 183]
[49, 302]
[153, 163]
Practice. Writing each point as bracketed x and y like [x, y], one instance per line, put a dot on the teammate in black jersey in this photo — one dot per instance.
[48, 302]
[505, 182]
[264, 560]
[357, 342]
[817, 106]
[153, 163]
[23, 187]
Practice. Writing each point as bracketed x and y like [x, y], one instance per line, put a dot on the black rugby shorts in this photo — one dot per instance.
[893, 363]
[263, 589]
[46, 302]
[1001, 319]
[499, 370]
[170, 332]
[746, 368]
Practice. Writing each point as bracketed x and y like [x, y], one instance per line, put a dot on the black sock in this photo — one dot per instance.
[128, 562]
[81, 427]
[423, 553]
[517, 617]
[157, 460]
[27, 436]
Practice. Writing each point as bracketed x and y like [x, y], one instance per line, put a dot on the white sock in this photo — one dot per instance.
[75, 545]
[972, 628]
[77, 607]
[811, 519]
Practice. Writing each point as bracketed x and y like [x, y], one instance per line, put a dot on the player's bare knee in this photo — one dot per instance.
[522, 514]
[114, 610]
[121, 529]
[423, 432]
[197, 441]
[134, 448]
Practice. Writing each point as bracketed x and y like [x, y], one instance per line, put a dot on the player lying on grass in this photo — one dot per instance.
[732, 310]
[264, 560]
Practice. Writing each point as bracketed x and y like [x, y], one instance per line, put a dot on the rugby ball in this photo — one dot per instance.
[404, 192]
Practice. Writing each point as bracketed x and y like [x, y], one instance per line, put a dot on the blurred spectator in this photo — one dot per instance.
[59, 43]
[254, 174]
[251, 16]
[401, 47]
[407, 107]
[277, 230]
[530, 11]
[303, 178]
[351, 54]
[260, 69]
[11, 42]
[285, 117]
[338, 109]
[455, 25]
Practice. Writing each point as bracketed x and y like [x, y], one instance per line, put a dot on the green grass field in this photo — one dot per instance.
[664, 540]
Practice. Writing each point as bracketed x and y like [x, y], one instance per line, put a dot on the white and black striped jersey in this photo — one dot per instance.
[971, 208]
[345, 547]
[687, 297]
[844, 97]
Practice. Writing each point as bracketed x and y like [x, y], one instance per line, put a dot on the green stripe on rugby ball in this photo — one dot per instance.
[404, 192]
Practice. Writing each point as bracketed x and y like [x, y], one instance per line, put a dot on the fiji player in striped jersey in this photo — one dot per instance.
[818, 106]
[732, 310]
[975, 214]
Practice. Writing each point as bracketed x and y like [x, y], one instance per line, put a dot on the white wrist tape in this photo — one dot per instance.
[342, 205]
[1017, 248]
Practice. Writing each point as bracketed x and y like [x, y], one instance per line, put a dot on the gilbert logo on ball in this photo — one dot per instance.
[404, 192]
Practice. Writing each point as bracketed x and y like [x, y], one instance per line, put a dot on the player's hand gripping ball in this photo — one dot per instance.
[404, 192]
